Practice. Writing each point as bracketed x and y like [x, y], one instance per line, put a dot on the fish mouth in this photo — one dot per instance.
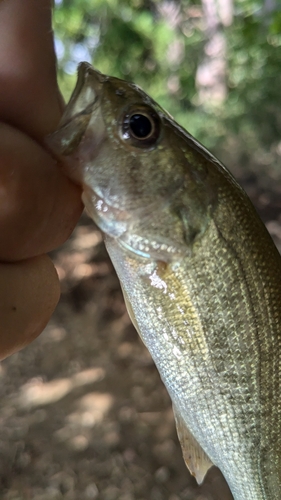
[85, 95]
[83, 108]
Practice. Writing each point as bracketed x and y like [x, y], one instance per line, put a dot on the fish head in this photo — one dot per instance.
[144, 181]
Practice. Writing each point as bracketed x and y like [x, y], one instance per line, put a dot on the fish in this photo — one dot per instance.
[200, 274]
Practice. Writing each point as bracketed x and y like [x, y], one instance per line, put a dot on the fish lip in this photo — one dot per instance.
[86, 93]
[82, 104]
[66, 142]
[85, 70]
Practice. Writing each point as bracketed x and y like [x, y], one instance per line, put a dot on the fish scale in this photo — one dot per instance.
[211, 402]
[200, 274]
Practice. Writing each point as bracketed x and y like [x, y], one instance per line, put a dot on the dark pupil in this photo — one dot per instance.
[140, 126]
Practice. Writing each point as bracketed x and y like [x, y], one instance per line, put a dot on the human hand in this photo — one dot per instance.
[39, 205]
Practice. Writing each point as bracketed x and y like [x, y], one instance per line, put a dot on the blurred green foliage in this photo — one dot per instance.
[159, 44]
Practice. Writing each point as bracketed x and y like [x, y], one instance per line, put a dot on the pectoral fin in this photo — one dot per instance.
[197, 462]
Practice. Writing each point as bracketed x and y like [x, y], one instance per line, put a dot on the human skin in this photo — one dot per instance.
[39, 206]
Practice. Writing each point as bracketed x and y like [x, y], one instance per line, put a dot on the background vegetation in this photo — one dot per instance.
[166, 46]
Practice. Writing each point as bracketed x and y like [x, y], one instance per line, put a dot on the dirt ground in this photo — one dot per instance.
[84, 414]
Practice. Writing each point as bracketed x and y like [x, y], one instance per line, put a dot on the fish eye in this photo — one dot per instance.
[140, 128]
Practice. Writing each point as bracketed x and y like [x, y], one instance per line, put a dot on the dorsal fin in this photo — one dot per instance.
[197, 462]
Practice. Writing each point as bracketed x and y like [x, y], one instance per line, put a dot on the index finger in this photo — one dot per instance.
[29, 97]
[41, 206]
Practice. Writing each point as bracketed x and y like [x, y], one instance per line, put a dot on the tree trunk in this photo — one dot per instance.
[211, 72]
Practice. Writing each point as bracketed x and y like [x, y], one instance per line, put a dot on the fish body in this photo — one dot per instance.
[200, 274]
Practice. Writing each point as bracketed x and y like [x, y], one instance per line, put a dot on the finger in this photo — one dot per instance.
[29, 292]
[39, 206]
[29, 97]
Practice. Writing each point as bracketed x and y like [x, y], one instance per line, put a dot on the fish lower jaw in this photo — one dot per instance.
[119, 224]
[154, 248]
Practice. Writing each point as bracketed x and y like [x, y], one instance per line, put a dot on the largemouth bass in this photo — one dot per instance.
[200, 274]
